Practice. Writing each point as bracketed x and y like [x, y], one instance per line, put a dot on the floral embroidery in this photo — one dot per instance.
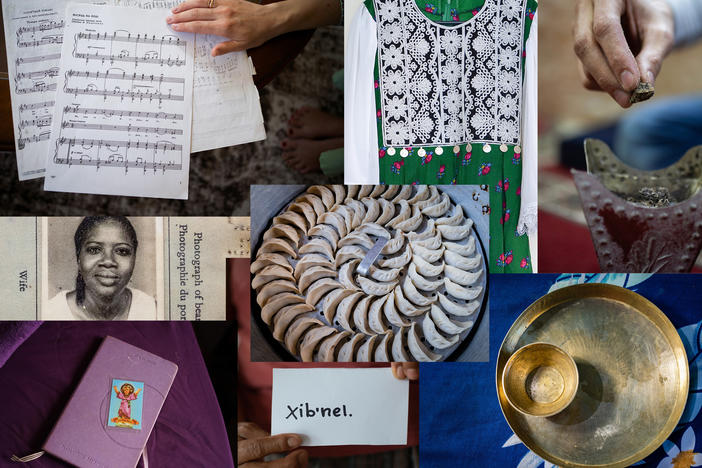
[381, 152]
[466, 158]
[505, 217]
[442, 172]
[396, 167]
[524, 263]
[427, 158]
[517, 159]
[445, 86]
[484, 169]
[504, 259]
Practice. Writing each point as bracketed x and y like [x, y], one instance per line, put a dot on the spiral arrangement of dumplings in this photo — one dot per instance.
[417, 298]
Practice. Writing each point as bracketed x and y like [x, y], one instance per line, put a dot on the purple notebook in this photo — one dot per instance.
[112, 411]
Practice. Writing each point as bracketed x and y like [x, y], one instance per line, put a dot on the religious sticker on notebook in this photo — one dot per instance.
[126, 402]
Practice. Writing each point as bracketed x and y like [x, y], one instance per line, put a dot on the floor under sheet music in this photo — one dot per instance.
[122, 119]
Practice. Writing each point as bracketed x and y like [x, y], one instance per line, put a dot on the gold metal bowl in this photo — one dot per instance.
[633, 376]
[540, 379]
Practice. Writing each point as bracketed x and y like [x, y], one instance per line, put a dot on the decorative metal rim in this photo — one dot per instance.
[616, 293]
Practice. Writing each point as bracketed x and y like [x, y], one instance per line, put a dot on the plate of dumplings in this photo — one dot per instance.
[369, 273]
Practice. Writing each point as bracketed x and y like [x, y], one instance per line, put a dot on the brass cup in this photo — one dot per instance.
[540, 379]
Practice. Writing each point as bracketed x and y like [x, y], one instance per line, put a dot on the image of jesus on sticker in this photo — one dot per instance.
[126, 402]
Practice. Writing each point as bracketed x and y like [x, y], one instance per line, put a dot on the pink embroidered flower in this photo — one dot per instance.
[442, 171]
[484, 169]
[466, 159]
[524, 263]
[381, 152]
[377, 85]
[508, 258]
[506, 184]
[519, 191]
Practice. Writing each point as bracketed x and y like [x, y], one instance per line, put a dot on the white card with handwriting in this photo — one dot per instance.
[340, 406]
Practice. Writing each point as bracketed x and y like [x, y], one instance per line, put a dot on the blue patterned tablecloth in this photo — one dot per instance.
[460, 419]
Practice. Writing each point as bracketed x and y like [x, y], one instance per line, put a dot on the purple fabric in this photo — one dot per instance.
[12, 335]
[38, 380]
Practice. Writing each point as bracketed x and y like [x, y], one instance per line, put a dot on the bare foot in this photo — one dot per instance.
[307, 122]
[303, 155]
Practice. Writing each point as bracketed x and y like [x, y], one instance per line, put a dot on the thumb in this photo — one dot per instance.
[227, 47]
[657, 43]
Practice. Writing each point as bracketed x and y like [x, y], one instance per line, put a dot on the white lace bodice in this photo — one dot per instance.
[449, 85]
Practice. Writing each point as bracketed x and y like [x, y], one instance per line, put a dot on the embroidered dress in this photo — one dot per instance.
[448, 99]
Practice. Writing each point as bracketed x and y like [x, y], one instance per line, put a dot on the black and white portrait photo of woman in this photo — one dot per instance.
[107, 251]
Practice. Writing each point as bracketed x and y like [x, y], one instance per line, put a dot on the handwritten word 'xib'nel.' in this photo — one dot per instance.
[305, 411]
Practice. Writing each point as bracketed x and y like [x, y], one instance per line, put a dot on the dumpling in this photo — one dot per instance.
[309, 261]
[339, 193]
[423, 193]
[447, 325]
[395, 244]
[403, 215]
[465, 250]
[331, 302]
[328, 346]
[387, 212]
[374, 229]
[429, 255]
[347, 253]
[276, 303]
[277, 245]
[360, 315]
[464, 263]
[284, 318]
[391, 191]
[436, 339]
[375, 315]
[458, 291]
[345, 309]
[375, 288]
[399, 261]
[296, 330]
[327, 232]
[318, 245]
[346, 274]
[399, 343]
[284, 230]
[271, 273]
[390, 311]
[348, 350]
[411, 224]
[324, 193]
[269, 258]
[273, 288]
[365, 352]
[379, 274]
[319, 288]
[425, 268]
[405, 306]
[336, 220]
[420, 352]
[455, 232]
[433, 198]
[405, 192]
[454, 220]
[314, 201]
[464, 278]
[383, 353]
[306, 210]
[457, 309]
[311, 341]
[347, 213]
[313, 274]
[372, 210]
[411, 293]
[438, 209]
[421, 282]
[357, 238]
[292, 218]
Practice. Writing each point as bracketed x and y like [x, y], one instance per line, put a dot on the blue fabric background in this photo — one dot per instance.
[461, 423]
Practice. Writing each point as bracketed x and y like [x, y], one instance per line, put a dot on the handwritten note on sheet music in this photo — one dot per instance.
[226, 106]
[33, 37]
[122, 120]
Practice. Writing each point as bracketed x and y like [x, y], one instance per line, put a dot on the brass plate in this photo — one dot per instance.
[633, 376]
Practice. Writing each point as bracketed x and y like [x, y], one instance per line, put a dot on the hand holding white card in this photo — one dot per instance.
[340, 406]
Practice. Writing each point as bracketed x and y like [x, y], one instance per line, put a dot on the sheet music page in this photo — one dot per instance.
[226, 104]
[33, 37]
[123, 113]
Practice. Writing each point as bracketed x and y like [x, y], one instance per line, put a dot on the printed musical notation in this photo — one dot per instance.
[123, 105]
[33, 37]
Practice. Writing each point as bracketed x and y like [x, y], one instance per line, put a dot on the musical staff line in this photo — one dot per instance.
[37, 88]
[38, 105]
[40, 42]
[122, 113]
[125, 76]
[138, 39]
[123, 128]
[44, 136]
[41, 28]
[39, 74]
[38, 122]
[122, 94]
[40, 58]
[135, 60]
[160, 145]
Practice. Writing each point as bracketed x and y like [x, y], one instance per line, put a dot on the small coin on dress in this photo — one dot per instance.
[404, 153]
[456, 149]
[422, 152]
[469, 147]
[518, 149]
[486, 148]
[503, 148]
[439, 150]
[391, 151]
